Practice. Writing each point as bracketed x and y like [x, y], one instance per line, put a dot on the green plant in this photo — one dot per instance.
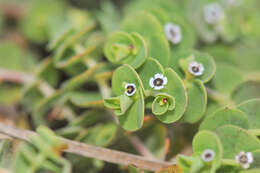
[192, 64]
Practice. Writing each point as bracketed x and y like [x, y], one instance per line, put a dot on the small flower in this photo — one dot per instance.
[173, 33]
[196, 68]
[208, 155]
[130, 89]
[213, 13]
[244, 159]
[158, 81]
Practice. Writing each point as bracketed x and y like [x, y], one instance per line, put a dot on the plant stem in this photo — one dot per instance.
[255, 132]
[100, 153]
[220, 98]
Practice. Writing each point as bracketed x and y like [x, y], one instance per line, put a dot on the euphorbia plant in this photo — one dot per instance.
[163, 78]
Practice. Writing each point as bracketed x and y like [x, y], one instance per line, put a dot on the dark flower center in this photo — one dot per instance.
[130, 89]
[243, 159]
[173, 33]
[158, 82]
[195, 69]
[208, 155]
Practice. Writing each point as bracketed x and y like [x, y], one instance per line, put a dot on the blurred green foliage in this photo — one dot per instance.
[86, 58]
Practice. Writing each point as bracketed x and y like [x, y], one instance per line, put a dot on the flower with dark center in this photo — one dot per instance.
[173, 33]
[158, 81]
[130, 89]
[244, 159]
[196, 68]
[213, 13]
[208, 155]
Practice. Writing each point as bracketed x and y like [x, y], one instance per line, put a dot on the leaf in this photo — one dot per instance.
[122, 75]
[158, 46]
[47, 72]
[14, 58]
[148, 70]
[86, 99]
[197, 102]
[99, 135]
[230, 76]
[133, 169]
[162, 103]
[10, 94]
[34, 23]
[252, 110]
[171, 169]
[46, 104]
[124, 48]
[223, 117]
[256, 162]
[175, 88]
[235, 139]
[208, 140]
[203, 58]
[133, 117]
[108, 17]
[246, 91]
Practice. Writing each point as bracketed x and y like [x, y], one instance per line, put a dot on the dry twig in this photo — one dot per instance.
[86, 150]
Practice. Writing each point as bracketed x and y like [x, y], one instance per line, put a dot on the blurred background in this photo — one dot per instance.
[30, 32]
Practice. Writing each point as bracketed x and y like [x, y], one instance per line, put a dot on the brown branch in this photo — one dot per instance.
[86, 150]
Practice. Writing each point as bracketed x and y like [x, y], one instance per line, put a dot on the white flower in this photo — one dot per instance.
[196, 68]
[158, 81]
[130, 89]
[173, 33]
[208, 155]
[244, 159]
[213, 13]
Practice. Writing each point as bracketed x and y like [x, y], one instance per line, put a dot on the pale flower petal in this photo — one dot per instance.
[151, 82]
[165, 80]
[158, 87]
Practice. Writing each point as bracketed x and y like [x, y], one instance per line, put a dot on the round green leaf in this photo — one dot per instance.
[206, 60]
[235, 139]
[132, 119]
[252, 110]
[134, 116]
[208, 140]
[162, 103]
[229, 76]
[148, 70]
[150, 28]
[223, 117]
[197, 102]
[246, 91]
[122, 75]
[175, 88]
[124, 48]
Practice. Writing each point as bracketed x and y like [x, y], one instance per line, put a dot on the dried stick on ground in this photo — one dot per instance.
[86, 150]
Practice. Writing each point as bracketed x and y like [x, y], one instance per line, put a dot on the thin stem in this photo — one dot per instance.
[255, 132]
[220, 98]
[100, 153]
